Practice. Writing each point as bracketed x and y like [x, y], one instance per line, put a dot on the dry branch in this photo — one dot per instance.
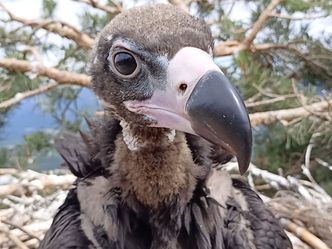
[231, 47]
[23, 229]
[303, 234]
[58, 27]
[64, 77]
[14, 238]
[108, 9]
[270, 101]
[294, 18]
[288, 205]
[287, 115]
[60, 76]
[35, 53]
[8, 171]
[305, 188]
[35, 181]
[20, 96]
[28, 217]
[258, 25]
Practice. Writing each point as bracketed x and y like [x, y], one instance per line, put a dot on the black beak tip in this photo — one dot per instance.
[218, 114]
[244, 159]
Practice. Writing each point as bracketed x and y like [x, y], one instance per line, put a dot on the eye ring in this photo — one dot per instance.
[124, 63]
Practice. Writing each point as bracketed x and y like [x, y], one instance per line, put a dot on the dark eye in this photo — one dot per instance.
[125, 63]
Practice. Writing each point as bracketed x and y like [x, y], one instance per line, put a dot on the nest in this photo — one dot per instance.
[29, 200]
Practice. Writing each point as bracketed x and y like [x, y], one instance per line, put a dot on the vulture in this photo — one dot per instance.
[146, 171]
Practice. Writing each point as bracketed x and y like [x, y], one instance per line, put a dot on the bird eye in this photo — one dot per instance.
[125, 63]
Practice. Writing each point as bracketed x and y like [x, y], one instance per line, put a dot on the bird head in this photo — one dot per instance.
[153, 67]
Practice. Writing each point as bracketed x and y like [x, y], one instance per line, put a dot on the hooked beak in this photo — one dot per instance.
[199, 99]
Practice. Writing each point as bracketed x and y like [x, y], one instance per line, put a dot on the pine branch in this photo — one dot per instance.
[65, 77]
[287, 115]
[270, 101]
[60, 76]
[97, 5]
[58, 27]
[294, 18]
[258, 25]
[34, 52]
[21, 96]
[231, 47]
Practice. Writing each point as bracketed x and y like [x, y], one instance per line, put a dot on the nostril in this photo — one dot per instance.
[183, 87]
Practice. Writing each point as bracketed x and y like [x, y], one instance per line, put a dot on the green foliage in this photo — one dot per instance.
[74, 59]
[298, 5]
[93, 23]
[49, 7]
[37, 141]
[13, 83]
[3, 157]
[23, 155]
[276, 148]
[305, 5]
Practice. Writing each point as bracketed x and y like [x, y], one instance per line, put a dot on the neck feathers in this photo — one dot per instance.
[158, 169]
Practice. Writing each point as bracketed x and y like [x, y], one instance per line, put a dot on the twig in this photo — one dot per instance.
[39, 181]
[14, 238]
[8, 171]
[258, 25]
[303, 234]
[279, 182]
[58, 27]
[20, 96]
[306, 168]
[34, 52]
[302, 100]
[254, 98]
[264, 92]
[294, 18]
[310, 62]
[307, 173]
[263, 187]
[60, 76]
[323, 163]
[31, 234]
[108, 9]
[270, 101]
[269, 117]
[276, 181]
[231, 47]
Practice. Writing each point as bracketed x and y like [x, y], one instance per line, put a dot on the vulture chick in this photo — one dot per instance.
[145, 172]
